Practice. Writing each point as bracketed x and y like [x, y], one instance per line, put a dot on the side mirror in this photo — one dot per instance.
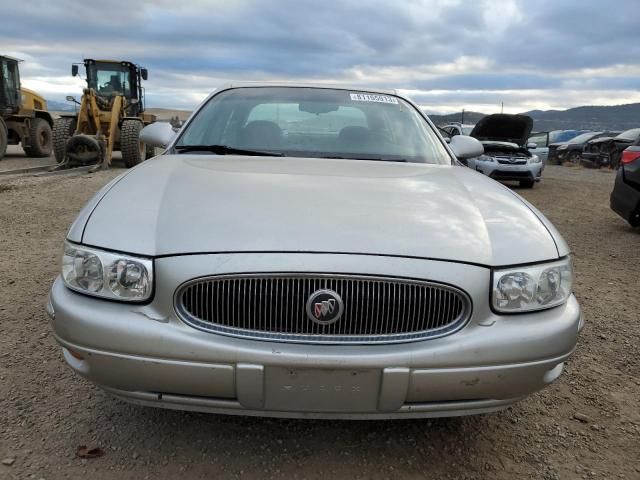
[158, 134]
[464, 147]
[144, 73]
[74, 70]
[71, 98]
[532, 145]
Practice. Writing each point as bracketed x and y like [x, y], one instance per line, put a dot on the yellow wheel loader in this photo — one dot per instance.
[109, 117]
[24, 118]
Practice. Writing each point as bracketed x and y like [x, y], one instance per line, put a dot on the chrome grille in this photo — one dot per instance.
[273, 307]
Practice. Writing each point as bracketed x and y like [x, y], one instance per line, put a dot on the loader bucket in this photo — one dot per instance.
[84, 150]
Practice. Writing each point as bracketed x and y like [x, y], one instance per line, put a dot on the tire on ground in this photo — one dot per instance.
[527, 183]
[63, 130]
[574, 157]
[4, 138]
[133, 150]
[150, 152]
[40, 137]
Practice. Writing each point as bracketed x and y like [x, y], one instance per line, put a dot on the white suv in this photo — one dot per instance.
[506, 152]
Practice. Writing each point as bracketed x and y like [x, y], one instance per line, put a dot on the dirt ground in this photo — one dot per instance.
[586, 425]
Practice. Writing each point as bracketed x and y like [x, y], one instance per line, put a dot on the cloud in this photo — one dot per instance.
[455, 53]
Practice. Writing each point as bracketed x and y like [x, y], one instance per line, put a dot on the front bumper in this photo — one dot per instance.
[500, 171]
[595, 159]
[146, 355]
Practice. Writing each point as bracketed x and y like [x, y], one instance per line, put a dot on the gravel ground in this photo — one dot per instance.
[586, 425]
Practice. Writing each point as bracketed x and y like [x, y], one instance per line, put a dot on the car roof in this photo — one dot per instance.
[309, 85]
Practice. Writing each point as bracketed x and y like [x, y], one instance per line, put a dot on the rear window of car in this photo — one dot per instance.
[316, 122]
[629, 134]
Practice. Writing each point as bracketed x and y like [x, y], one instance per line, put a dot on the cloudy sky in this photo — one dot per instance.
[445, 54]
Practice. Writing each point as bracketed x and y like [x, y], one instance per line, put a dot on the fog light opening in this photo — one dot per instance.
[553, 374]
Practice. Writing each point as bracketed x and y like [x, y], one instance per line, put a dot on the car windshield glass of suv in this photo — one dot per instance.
[313, 122]
[565, 136]
[585, 137]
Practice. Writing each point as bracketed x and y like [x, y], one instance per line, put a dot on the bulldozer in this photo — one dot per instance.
[24, 118]
[109, 117]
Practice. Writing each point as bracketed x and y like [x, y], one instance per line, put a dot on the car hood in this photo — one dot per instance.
[180, 204]
[504, 127]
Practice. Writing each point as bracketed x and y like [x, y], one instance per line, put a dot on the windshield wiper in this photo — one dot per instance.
[224, 150]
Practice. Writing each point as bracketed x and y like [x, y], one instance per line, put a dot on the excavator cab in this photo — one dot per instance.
[9, 85]
[112, 78]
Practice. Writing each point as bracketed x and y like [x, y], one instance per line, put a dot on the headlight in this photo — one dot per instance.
[535, 287]
[534, 159]
[485, 158]
[562, 147]
[105, 274]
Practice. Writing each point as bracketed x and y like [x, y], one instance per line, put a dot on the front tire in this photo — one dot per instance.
[4, 138]
[40, 137]
[133, 150]
[150, 152]
[527, 183]
[63, 130]
[574, 157]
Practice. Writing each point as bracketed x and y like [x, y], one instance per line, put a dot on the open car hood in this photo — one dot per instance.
[503, 127]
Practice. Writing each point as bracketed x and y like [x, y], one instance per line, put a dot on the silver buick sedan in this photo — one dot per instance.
[318, 252]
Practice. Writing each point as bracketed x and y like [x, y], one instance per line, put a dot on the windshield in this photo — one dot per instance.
[315, 122]
[109, 79]
[629, 134]
[563, 136]
[585, 137]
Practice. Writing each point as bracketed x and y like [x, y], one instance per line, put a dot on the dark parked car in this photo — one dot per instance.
[625, 198]
[606, 151]
[571, 151]
[545, 141]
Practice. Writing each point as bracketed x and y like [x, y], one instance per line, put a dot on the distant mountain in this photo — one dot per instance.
[469, 118]
[616, 117]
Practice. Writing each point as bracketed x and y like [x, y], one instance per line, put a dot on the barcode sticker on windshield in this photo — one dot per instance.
[368, 97]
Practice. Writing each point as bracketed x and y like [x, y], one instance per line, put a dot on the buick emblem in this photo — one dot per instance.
[324, 307]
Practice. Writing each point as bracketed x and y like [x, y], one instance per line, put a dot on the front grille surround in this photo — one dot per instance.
[508, 160]
[289, 322]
